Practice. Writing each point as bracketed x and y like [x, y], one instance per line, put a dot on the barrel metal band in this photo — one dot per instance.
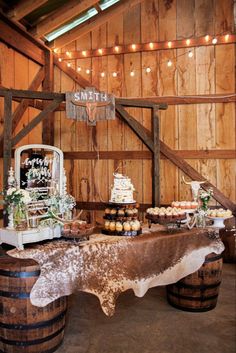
[51, 350]
[34, 326]
[16, 274]
[202, 299]
[14, 295]
[195, 286]
[33, 342]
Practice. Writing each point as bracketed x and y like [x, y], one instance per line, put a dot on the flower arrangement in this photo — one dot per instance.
[204, 196]
[15, 197]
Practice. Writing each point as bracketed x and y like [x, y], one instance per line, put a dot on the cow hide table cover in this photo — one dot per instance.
[106, 266]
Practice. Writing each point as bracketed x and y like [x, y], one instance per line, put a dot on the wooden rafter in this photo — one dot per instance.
[94, 22]
[20, 40]
[23, 8]
[21, 108]
[60, 16]
[146, 138]
[48, 83]
[38, 119]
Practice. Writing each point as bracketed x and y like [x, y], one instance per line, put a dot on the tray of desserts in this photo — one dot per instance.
[218, 216]
[127, 228]
[165, 215]
[118, 213]
[78, 230]
[187, 206]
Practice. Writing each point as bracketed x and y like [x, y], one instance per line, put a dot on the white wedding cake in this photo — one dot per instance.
[122, 190]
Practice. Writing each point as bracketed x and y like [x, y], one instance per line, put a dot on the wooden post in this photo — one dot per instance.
[48, 123]
[156, 158]
[7, 142]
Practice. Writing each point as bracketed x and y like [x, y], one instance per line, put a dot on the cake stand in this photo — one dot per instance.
[218, 221]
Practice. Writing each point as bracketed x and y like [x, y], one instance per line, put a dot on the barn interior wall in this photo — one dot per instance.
[211, 70]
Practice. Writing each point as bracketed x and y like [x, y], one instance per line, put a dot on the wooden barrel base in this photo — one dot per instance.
[199, 291]
[23, 326]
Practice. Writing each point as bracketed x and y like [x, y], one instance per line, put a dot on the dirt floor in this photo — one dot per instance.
[151, 325]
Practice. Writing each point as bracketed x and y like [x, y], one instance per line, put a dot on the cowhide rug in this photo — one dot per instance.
[106, 266]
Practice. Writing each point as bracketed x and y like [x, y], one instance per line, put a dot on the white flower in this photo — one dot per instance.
[10, 191]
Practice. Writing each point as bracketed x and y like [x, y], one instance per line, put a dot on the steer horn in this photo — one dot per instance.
[189, 182]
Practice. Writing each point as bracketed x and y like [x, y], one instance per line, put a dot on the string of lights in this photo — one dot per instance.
[206, 40]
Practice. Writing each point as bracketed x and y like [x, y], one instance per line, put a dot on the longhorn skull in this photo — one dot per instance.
[195, 186]
[91, 108]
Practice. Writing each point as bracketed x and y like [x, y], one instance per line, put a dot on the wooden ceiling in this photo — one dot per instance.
[41, 18]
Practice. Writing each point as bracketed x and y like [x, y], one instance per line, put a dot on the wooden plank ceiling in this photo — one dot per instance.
[64, 19]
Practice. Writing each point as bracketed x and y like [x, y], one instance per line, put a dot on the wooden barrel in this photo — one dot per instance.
[198, 291]
[24, 327]
[228, 237]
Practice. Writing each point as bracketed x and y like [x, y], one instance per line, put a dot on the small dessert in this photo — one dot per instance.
[113, 211]
[112, 226]
[107, 211]
[107, 225]
[126, 226]
[121, 213]
[119, 227]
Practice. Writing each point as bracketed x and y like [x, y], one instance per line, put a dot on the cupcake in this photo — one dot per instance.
[107, 211]
[107, 225]
[126, 226]
[135, 212]
[113, 212]
[119, 227]
[112, 226]
[121, 213]
[129, 212]
[194, 204]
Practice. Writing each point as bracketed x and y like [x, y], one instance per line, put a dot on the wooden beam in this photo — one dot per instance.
[21, 108]
[130, 155]
[194, 175]
[43, 115]
[145, 47]
[20, 93]
[48, 84]
[145, 136]
[139, 103]
[118, 155]
[23, 8]
[20, 40]
[139, 130]
[73, 74]
[156, 159]
[7, 141]
[63, 14]
[94, 22]
[199, 99]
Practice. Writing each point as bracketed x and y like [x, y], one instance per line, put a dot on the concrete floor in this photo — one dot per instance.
[151, 325]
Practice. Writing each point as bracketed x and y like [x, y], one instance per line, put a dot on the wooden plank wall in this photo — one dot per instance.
[184, 127]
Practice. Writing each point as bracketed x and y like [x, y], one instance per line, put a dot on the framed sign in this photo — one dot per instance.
[90, 105]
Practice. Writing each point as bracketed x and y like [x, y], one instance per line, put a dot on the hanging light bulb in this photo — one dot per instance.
[84, 53]
[69, 64]
[169, 44]
[114, 74]
[87, 71]
[100, 51]
[79, 69]
[60, 59]
[148, 69]
[117, 49]
[102, 74]
[169, 63]
[190, 54]
[214, 40]
[207, 37]
[132, 73]
[133, 46]
[55, 50]
[67, 53]
[226, 37]
[188, 41]
[151, 45]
